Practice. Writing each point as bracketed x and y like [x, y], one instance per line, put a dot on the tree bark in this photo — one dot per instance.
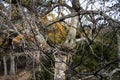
[60, 67]
[12, 65]
[5, 66]
[34, 78]
[61, 60]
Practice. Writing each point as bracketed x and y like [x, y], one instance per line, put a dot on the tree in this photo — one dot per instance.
[67, 29]
[5, 66]
[118, 39]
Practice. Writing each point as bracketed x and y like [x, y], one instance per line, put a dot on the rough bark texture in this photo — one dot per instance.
[76, 5]
[60, 67]
[70, 40]
[61, 60]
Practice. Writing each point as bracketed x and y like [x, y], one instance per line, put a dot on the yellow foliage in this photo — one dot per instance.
[44, 19]
[58, 33]
[17, 39]
[58, 25]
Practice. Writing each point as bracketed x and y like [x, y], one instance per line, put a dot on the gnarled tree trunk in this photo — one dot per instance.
[60, 67]
[61, 60]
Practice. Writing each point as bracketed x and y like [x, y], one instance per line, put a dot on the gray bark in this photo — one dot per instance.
[12, 65]
[60, 67]
[61, 60]
[71, 38]
[5, 66]
[34, 78]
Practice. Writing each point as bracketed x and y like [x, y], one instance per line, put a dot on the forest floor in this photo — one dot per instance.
[21, 75]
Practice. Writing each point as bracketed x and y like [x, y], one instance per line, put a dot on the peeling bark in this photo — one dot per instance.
[61, 60]
[60, 67]
[70, 40]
